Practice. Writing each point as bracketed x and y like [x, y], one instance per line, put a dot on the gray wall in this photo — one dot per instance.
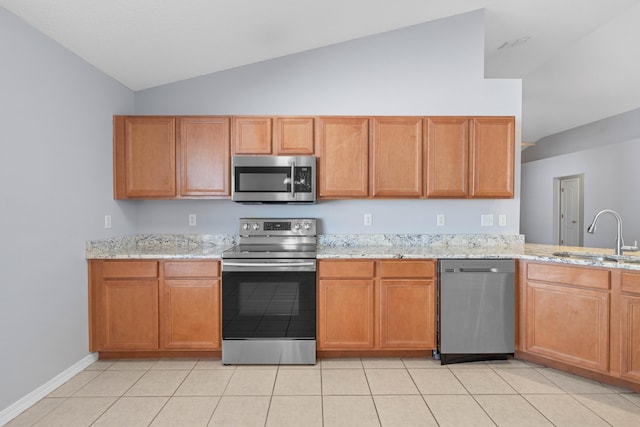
[607, 152]
[434, 68]
[56, 188]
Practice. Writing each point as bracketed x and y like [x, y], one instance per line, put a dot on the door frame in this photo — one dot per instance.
[556, 207]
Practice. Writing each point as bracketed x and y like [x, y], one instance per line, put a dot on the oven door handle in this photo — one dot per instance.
[268, 264]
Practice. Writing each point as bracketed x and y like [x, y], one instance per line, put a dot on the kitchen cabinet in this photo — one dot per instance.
[345, 305]
[190, 305]
[154, 305]
[204, 158]
[406, 306]
[343, 157]
[293, 136]
[630, 326]
[251, 135]
[144, 157]
[567, 314]
[124, 305]
[491, 157]
[447, 157]
[376, 305]
[158, 157]
[470, 157]
[397, 157]
[280, 135]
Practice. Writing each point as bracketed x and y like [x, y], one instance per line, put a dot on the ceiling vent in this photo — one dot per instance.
[513, 43]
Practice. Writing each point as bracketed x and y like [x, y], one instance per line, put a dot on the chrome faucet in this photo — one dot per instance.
[619, 249]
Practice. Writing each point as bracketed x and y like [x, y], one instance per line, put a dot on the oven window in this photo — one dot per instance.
[268, 305]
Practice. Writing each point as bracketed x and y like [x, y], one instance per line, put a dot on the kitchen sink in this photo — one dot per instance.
[598, 257]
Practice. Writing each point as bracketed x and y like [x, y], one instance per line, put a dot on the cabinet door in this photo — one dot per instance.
[568, 324]
[396, 166]
[343, 157]
[447, 157]
[251, 135]
[293, 135]
[345, 314]
[492, 157]
[407, 314]
[129, 315]
[204, 156]
[630, 336]
[145, 157]
[190, 314]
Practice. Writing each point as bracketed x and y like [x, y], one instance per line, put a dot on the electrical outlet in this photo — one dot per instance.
[192, 220]
[368, 219]
[440, 220]
[107, 221]
[502, 220]
[486, 220]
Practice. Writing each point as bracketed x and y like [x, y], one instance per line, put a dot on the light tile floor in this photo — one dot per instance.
[334, 392]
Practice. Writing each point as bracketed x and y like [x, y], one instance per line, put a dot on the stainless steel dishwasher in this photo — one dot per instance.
[476, 309]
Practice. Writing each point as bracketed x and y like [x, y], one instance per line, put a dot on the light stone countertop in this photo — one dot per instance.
[179, 246]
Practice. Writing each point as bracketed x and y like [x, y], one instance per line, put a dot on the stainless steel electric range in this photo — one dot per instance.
[269, 293]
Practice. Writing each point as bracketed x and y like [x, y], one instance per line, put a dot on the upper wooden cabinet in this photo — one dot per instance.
[447, 157]
[252, 135]
[470, 157]
[171, 157]
[293, 135]
[343, 157]
[204, 156]
[144, 157]
[273, 135]
[396, 157]
[492, 157]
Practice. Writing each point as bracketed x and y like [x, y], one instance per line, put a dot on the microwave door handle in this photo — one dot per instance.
[293, 179]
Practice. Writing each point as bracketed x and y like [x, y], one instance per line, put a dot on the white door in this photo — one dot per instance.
[570, 215]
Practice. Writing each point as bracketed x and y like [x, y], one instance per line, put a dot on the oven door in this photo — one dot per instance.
[269, 299]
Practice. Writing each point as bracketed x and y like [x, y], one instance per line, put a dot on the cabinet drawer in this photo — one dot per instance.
[346, 268]
[119, 269]
[631, 282]
[407, 269]
[568, 275]
[191, 269]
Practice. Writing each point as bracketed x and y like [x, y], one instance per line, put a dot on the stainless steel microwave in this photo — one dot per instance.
[273, 179]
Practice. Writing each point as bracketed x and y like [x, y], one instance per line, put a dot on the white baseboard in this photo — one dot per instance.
[32, 398]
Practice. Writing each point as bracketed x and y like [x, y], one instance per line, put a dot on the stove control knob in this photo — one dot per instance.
[296, 226]
[256, 226]
[246, 226]
[306, 225]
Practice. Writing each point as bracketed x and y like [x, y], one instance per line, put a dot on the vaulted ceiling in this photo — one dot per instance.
[579, 59]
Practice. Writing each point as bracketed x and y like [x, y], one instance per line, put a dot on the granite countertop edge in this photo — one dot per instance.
[212, 247]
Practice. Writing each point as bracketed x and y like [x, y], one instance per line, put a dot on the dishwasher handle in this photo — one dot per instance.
[471, 270]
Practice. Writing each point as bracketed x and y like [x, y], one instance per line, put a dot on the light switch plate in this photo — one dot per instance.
[440, 220]
[368, 219]
[192, 220]
[107, 221]
[502, 220]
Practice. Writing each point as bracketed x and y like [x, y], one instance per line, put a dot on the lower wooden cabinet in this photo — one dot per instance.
[154, 305]
[346, 314]
[567, 314]
[630, 326]
[376, 305]
[129, 313]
